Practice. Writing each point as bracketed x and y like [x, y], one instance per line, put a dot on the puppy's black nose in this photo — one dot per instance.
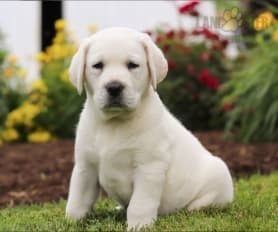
[114, 88]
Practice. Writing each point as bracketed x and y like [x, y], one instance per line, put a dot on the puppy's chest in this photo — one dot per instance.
[115, 173]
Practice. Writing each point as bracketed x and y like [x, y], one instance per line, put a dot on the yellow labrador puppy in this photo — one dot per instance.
[128, 143]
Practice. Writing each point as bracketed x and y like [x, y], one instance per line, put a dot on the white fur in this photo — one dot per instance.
[141, 155]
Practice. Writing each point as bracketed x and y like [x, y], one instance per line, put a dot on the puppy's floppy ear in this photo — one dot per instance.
[77, 66]
[157, 63]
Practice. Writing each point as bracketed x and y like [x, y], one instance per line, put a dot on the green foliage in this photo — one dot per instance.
[254, 92]
[224, 5]
[64, 104]
[254, 209]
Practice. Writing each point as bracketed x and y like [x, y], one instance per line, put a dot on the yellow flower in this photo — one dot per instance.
[60, 24]
[71, 49]
[24, 115]
[40, 86]
[275, 35]
[57, 51]
[8, 72]
[29, 112]
[65, 75]
[92, 28]
[42, 57]
[12, 59]
[59, 38]
[13, 118]
[263, 21]
[35, 97]
[39, 100]
[268, 16]
[21, 73]
[9, 135]
[39, 136]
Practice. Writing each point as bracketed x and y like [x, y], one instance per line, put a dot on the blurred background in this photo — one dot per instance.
[222, 82]
[37, 19]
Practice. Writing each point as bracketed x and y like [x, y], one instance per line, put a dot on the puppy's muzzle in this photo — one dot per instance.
[114, 91]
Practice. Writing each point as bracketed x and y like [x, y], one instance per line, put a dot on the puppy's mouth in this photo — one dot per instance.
[115, 105]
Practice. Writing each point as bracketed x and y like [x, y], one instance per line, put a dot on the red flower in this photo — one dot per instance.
[227, 107]
[148, 32]
[204, 56]
[204, 75]
[194, 13]
[210, 81]
[181, 34]
[213, 83]
[170, 34]
[224, 43]
[209, 34]
[196, 32]
[171, 64]
[190, 68]
[166, 48]
[188, 7]
[159, 38]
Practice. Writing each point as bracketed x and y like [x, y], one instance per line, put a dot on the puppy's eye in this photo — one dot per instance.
[98, 65]
[131, 65]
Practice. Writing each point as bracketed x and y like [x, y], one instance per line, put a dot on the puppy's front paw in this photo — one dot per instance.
[75, 213]
[135, 224]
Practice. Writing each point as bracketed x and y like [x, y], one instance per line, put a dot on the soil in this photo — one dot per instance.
[40, 172]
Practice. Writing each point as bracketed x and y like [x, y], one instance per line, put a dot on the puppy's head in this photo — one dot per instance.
[117, 67]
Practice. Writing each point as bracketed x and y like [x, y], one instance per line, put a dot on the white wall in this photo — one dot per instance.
[20, 23]
[140, 15]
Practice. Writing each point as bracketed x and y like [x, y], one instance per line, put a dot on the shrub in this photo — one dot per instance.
[196, 72]
[12, 91]
[253, 90]
[52, 107]
[62, 101]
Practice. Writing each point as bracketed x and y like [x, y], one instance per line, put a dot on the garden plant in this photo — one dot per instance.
[197, 69]
[252, 91]
[52, 106]
[13, 91]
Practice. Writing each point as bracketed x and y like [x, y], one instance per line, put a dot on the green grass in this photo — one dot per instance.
[255, 209]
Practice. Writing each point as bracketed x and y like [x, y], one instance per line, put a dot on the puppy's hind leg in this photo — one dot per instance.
[84, 191]
[203, 201]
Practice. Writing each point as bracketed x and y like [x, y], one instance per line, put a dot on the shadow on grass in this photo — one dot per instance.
[118, 216]
[105, 216]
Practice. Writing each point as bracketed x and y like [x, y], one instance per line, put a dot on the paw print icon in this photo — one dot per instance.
[232, 20]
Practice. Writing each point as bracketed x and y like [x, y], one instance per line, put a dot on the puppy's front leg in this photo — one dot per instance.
[145, 200]
[83, 191]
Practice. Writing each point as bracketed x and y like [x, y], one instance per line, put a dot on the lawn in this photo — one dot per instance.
[255, 208]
